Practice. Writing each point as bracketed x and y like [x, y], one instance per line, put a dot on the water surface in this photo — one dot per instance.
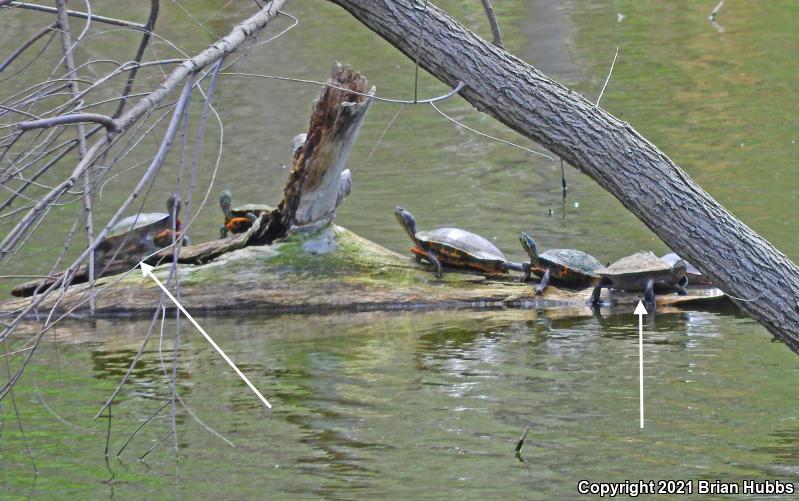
[430, 405]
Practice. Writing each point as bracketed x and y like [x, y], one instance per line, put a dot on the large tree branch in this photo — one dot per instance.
[609, 150]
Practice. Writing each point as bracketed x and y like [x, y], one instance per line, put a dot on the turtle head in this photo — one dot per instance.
[679, 272]
[407, 221]
[224, 202]
[173, 204]
[528, 244]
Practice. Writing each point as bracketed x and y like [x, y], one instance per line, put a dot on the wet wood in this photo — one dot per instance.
[607, 149]
[329, 270]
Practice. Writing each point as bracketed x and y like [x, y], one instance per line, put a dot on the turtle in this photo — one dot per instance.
[239, 219]
[694, 275]
[641, 272]
[568, 266]
[454, 247]
[139, 235]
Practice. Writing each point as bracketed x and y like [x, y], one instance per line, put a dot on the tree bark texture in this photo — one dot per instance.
[312, 191]
[610, 151]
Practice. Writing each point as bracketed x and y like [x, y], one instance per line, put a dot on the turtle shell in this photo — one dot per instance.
[571, 264]
[131, 238]
[138, 222]
[694, 275]
[456, 247]
[255, 209]
[632, 272]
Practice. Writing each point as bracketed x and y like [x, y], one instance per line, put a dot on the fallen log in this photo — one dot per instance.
[331, 269]
[609, 150]
[293, 259]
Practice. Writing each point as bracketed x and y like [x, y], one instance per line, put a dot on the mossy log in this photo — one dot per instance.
[330, 269]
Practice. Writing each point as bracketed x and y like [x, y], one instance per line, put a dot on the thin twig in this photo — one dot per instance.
[608, 78]
[520, 443]
[69, 64]
[200, 136]
[715, 11]
[33, 59]
[130, 367]
[382, 135]
[73, 118]
[418, 54]
[156, 445]
[149, 418]
[148, 28]
[16, 411]
[10, 59]
[492, 21]
[108, 431]
[82, 15]
[489, 137]
[459, 87]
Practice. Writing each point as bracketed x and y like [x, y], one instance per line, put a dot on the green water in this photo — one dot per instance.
[430, 405]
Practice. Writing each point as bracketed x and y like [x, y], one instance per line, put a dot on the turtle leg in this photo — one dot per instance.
[418, 258]
[434, 260]
[539, 289]
[649, 292]
[680, 287]
[223, 231]
[598, 290]
[527, 272]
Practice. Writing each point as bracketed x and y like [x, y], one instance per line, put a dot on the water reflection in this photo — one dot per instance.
[362, 401]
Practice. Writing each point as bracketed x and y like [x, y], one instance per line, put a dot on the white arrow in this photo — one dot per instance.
[641, 311]
[147, 270]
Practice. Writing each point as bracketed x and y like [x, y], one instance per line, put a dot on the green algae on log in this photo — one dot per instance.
[327, 270]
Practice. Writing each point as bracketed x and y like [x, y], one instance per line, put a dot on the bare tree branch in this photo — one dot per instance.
[69, 64]
[154, 4]
[73, 118]
[492, 21]
[209, 56]
[10, 59]
[82, 15]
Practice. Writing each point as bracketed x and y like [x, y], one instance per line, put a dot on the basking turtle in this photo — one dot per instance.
[641, 272]
[694, 275]
[454, 247]
[568, 266]
[238, 219]
[139, 235]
